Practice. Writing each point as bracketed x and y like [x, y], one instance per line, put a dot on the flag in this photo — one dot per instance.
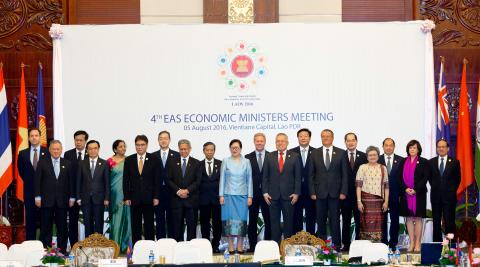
[22, 132]
[443, 118]
[477, 145]
[6, 169]
[41, 120]
[464, 137]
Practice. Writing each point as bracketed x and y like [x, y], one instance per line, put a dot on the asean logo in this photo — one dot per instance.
[242, 66]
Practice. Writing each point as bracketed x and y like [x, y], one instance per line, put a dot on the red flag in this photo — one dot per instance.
[22, 132]
[464, 136]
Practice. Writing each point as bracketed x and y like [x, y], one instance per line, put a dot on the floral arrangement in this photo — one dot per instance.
[449, 255]
[111, 163]
[327, 252]
[53, 255]
[476, 257]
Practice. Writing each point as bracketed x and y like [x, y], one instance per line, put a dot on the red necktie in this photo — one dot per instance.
[280, 162]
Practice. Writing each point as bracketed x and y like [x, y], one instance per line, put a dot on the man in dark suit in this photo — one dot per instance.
[281, 186]
[444, 183]
[183, 178]
[304, 201]
[54, 194]
[257, 159]
[210, 209]
[392, 162]
[354, 159]
[163, 212]
[328, 184]
[140, 190]
[27, 164]
[75, 156]
[93, 189]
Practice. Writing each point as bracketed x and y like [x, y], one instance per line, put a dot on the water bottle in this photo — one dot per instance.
[71, 260]
[236, 257]
[298, 253]
[390, 256]
[151, 257]
[397, 256]
[226, 256]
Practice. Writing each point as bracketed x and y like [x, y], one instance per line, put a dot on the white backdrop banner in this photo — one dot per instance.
[219, 82]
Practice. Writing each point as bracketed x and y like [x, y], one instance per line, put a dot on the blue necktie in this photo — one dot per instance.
[56, 168]
[184, 167]
[304, 160]
[442, 166]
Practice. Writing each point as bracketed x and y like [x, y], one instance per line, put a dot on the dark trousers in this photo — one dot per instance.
[163, 217]
[73, 223]
[139, 212]
[446, 211]
[394, 225]
[32, 213]
[347, 207]
[328, 206]
[210, 218]
[281, 207]
[253, 212]
[47, 217]
[93, 217]
[189, 215]
[304, 202]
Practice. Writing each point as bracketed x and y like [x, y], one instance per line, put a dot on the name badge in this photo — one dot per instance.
[10, 264]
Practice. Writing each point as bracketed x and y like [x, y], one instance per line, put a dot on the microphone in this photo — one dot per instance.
[87, 263]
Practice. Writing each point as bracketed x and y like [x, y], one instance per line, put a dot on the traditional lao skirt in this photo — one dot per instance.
[371, 219]
[234, 215]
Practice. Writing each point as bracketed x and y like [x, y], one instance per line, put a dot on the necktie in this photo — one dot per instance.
[140, 165]
[79, 157]
[184, 167]
[35, 159]
[209, 168]
[92, 167]
[352, 161]
[280, 162]
[442, 166]
[164, 158]
[327, 159]
[304, 158]
[56, 168]
[389, 164]
[259, 161]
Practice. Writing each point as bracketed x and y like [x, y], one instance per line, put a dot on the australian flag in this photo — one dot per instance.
[443, 118]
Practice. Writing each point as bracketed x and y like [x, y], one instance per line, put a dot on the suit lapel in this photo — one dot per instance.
[275, 159]
[50, 166]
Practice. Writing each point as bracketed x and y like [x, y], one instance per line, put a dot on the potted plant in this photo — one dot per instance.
[327, 253]
[449, 255]
[53, 257]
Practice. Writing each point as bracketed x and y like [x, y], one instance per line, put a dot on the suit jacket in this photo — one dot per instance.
[26, 171]
[280, 185]
[172, 155]
[97, 186]
[49, 188]
[140, 188]
[71, 155]
[444, 187]
[393, 186]
[191, 182]
[305, 169]
[332, 182]
[209, 185]
[257, 175]
[360, 158]
[420, 177]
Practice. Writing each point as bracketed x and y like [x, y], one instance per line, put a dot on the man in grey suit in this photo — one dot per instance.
[281, 186]
[328, 185]
[93, 189]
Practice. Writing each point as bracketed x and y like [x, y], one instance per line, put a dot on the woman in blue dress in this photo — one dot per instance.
[236, 191]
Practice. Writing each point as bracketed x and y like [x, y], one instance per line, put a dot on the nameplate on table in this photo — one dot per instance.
[299, 260]
[112, 263]
[5, 263]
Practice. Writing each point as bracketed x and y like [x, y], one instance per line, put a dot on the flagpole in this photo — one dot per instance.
[465, 62]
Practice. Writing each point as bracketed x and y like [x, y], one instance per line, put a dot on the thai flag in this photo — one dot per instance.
[6, 168]
[443, 118]
[41, 120]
